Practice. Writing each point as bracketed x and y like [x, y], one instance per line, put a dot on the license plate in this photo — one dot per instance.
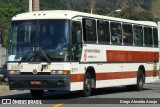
[35, 82]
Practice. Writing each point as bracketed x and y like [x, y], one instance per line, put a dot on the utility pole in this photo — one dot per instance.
[30, 5]
[92, 5]
[34, 5]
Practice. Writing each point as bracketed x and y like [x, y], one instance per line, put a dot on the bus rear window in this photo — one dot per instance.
[155, 37]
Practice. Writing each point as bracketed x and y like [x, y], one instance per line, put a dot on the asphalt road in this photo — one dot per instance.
[99, 98]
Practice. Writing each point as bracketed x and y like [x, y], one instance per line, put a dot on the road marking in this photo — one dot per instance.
[57, 105]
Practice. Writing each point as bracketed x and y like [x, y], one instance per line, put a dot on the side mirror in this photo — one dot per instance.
[2, 36]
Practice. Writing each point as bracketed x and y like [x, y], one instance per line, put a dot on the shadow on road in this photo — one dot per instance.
[59, 95]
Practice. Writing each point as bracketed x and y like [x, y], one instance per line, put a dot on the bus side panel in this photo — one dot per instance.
[109, 75]
[77, 76]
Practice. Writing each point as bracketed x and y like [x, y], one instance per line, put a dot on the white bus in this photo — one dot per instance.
[69, 50]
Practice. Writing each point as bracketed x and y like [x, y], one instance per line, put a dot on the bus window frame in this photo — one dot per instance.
[157, 45]
[141, 45]
[117, 22]
[146, 45]
[71, 42]
[128, 44]
[89, 42]
[105, 21]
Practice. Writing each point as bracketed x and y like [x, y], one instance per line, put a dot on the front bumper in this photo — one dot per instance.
[48, 82]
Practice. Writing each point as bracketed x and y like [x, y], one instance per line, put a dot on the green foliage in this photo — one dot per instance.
[9, 8]
[133, 14]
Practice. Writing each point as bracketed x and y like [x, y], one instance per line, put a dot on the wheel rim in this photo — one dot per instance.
[141, 82]
[87, 85]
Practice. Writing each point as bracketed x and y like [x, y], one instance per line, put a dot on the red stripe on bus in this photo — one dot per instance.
[151, 73]
[77, 77]
[116, 75]
[112, 75]
[131, 56]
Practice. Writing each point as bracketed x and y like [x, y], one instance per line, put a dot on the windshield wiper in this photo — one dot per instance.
[44, 54]
[35, 50]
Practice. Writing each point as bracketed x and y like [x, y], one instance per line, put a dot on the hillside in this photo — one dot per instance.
[131, 9]
[156, 8]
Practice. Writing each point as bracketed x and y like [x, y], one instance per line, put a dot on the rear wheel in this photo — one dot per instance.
[37, 93]
[87, 85]
[140, 82]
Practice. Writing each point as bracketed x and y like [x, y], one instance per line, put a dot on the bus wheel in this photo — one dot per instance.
[87, 85]
[140, 81]
[37, 93]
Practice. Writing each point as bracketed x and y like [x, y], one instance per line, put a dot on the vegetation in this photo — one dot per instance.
[131, 9]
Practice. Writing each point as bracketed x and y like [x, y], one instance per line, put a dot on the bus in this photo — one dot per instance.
[76, 51]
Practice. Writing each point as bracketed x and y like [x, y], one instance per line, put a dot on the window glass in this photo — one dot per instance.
[116, 33]
[148, 36]
[138, 35]
[89, 30]
[103, 31]
[76, 41]
[155, 37]
[127, 34]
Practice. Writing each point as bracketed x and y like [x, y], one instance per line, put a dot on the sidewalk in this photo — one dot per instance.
[4, 88]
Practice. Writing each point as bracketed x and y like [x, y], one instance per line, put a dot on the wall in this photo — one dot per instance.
[2, 55]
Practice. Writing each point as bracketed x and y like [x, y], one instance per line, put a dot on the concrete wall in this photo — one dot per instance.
[2, 55]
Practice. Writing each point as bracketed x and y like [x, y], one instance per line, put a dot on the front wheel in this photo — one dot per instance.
[87, 85]
[37, 93]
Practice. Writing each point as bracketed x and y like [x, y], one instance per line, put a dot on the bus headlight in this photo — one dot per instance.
[13, 72]
[59, 72]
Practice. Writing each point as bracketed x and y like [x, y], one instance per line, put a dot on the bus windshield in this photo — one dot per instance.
[39, 41]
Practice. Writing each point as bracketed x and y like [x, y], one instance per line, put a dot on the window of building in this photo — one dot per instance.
[89, 30]
[127, 34]
[103, 31]
[138, 35]
[116, 33]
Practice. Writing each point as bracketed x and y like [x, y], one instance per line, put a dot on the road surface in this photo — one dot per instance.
[110, 95]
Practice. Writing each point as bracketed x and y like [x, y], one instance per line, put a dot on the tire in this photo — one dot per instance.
[87, 86]
[37, 93]
[140, 81]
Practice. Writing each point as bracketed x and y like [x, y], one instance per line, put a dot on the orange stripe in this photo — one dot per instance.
[77, 77]
[112, 75]
[151, 73]
[115, 75]
[131, 56]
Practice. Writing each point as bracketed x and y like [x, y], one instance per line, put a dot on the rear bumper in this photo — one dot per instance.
[48, 82]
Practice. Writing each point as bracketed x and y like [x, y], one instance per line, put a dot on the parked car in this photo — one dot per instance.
[3, 72]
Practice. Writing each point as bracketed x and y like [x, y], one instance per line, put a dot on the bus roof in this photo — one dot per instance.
[68, 14]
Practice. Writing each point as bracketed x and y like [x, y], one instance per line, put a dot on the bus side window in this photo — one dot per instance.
[127, 34]
[116, 33]
[138, 35]
[76, 41]
[103, 31]
[89, 30]
[148, 36]
[155, 37]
